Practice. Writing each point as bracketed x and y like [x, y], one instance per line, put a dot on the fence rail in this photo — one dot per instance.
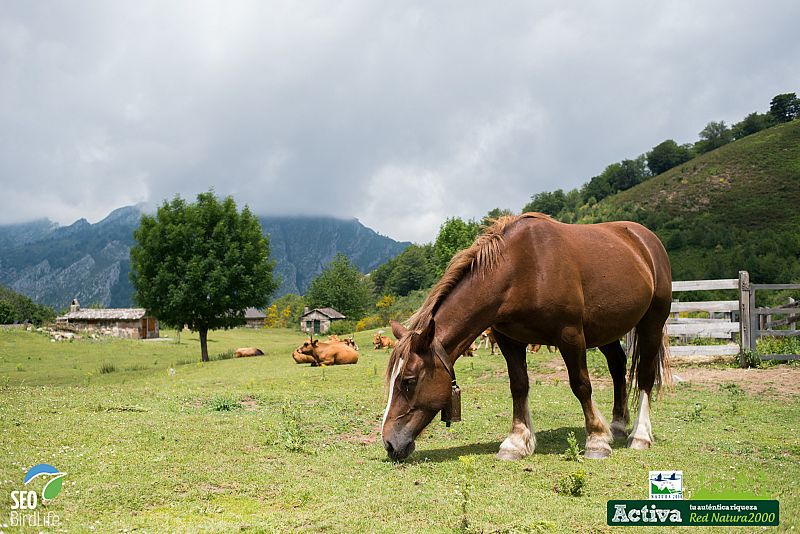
[752, 322]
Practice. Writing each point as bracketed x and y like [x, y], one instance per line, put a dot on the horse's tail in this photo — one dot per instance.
[661, 367]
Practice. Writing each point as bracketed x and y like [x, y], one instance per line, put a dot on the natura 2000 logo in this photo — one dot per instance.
[25, 502]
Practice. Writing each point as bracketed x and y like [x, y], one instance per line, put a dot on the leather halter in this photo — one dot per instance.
[452, 412]
[438, 349]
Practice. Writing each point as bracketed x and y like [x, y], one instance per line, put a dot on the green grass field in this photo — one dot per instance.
[263, 444]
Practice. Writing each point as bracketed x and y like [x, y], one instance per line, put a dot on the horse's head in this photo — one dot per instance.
[419, 387]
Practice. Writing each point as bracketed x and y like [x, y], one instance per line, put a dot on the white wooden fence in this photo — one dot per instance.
[737, 321]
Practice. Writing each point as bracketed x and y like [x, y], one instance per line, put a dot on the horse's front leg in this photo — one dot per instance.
[598, 434]
[521, 441]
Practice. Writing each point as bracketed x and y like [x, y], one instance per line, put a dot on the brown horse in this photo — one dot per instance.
[536, 280]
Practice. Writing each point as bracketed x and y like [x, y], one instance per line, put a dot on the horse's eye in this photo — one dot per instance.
[407, 384]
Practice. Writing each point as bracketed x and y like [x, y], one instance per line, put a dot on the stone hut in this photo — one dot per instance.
[133, 323]
[254, 318]
[319, 320]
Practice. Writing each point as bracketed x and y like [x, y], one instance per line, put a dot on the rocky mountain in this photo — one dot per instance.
[53, 264]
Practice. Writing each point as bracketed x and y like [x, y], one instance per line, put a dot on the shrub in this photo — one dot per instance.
[573, 484]
[341, 328]
[572, 452]
[369, 322]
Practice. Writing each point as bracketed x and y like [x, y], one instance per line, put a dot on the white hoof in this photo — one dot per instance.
[638, 443]
[516, 446]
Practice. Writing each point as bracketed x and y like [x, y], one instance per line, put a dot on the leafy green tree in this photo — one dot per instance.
[784, 107]
[713, 136]
[201, 265]
[455, 234]
[414, 268]
[597, 188]
[6, 313]
[627, 173]
[667, 155]
[22, 309]
[342, 287]
[547, 202]
[493, 214]
[753, 123]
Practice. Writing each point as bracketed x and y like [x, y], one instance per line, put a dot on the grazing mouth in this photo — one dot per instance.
[399, 453]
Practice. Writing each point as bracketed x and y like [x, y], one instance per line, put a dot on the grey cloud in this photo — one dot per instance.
[399, 115]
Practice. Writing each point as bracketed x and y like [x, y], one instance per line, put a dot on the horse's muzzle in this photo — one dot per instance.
[399, 451]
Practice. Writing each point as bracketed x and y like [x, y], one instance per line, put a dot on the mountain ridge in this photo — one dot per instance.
[52, 264]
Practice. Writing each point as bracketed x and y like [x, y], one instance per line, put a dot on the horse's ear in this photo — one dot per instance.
[398, 330]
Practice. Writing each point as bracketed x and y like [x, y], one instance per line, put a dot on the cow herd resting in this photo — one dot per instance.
[338, 351]
[332, 352]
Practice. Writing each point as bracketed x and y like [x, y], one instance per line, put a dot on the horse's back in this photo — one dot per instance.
[605, 276]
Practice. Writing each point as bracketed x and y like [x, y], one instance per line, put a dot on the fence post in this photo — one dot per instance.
[745, 324]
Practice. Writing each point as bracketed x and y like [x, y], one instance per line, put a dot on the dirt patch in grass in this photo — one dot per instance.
[777, 380]
[772, 381]
[556, 370]
[249, 403]
[363, 439]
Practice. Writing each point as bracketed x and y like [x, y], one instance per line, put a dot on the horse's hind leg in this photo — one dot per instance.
[598, 435]
[650, 360]
[617, 362]
[521, 441]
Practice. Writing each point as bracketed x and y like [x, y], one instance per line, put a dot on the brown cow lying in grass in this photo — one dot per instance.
[299, 357]
[329, 353]
[382, 342]
[248, 351]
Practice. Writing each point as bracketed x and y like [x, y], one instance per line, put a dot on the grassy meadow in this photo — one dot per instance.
[263, 444]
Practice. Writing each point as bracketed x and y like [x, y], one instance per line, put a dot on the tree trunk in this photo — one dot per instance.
[204, 343]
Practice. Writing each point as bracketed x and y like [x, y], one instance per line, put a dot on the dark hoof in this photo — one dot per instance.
[618, 433]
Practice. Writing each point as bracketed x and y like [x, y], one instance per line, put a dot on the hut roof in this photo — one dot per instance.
[108, 314]
[254, 313]
[328, 312]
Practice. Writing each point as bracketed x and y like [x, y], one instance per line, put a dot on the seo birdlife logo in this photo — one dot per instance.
[24, 503]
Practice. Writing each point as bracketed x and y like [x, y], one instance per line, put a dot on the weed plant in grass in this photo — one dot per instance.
[107, 367]
[224, 403]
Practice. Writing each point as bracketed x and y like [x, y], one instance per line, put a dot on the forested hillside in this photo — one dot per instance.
[735, 208]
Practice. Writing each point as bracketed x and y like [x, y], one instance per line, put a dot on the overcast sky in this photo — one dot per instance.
[397, 113]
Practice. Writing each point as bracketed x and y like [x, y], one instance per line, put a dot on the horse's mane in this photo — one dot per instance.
[480, 257]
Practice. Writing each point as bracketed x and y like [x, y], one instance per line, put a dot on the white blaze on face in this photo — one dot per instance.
[392, 380]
